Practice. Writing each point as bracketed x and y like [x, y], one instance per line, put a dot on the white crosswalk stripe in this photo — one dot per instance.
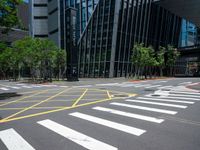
[167, 100]
[145, 108]
[182, 98]
[77, 137]
[14, 141]
[142, 85]
[156, 103]
[184, 95]
[189, 93]
[131, 115]
[111, 124]
[14, 87]
[152, 86]
[5, 89]
[25, 86]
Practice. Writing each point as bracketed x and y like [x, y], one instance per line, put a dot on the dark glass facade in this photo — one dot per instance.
[114, 27]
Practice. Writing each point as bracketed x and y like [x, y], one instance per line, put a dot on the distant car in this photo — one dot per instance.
[197, 73]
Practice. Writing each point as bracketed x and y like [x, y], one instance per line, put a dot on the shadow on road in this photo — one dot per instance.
[4, 96]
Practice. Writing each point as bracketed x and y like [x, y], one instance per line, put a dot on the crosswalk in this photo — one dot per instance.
[152, 107]
[28, 86]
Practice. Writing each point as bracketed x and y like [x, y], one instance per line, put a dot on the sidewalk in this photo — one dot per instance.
[194, 86]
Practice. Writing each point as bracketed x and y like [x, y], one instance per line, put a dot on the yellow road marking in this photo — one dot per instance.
[23, 98]
[66, 108]
[76, 102]
[109, 96]
[52, 111]
[36, 104]
[32, 108]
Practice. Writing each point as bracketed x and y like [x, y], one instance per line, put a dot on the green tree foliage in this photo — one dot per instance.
[172, 55]
[41, 56]
[143, 59]
[8, 13]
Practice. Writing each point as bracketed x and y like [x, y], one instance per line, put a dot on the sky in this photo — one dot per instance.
[26, 1]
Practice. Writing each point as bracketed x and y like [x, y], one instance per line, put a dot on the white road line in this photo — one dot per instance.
[80, 86]
[14, 141]
[107, 123]
[5, 89]
[63, 86]
[190, 93]
[153, 86]
[77, 137]
[182, 98]
[146, 108]
[183, 83]
[14, 87]
[184, 95]
[107, 84]
[156, 103]
[129, 85]
[161, 81]
[167, 100]
[165, 87]
[131, 115]
[143, 85]
[24, 86]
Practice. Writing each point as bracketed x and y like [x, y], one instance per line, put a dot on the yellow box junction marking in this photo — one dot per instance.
[75, 105]
[76, 102]
[36, 104]
[15, 101]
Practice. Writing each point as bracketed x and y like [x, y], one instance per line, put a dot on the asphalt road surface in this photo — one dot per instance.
[101, 114]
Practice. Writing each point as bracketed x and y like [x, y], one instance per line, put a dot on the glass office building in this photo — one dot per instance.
[99, 34]
[105, 46]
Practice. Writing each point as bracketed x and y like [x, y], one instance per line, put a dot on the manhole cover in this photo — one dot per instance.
[155, 95]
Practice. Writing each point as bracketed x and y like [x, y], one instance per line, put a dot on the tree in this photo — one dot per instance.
[172, 55]
[8, 14]
[161, 59]
[42, 56]
[143, 58]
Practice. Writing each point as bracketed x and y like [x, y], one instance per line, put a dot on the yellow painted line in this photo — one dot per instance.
[33, 108]
[57, 110]
[112, 91]
[22, 98]
[36, 104]
[52, 111]
[76, 102]
[109, 96]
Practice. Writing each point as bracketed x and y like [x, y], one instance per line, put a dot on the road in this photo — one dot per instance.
[101, 114]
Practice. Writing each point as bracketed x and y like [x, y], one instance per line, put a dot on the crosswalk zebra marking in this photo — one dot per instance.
[189, 93]
[14, 141]
[167, 100]
[184, 95]
[153, 86]
[131, 115]
[111, 124]
[28, 87]
[77, 137]
[175, 97]
[156, 103]
[146, 108]
[5, 89]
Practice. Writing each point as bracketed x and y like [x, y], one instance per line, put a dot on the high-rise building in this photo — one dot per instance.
[99, 35]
